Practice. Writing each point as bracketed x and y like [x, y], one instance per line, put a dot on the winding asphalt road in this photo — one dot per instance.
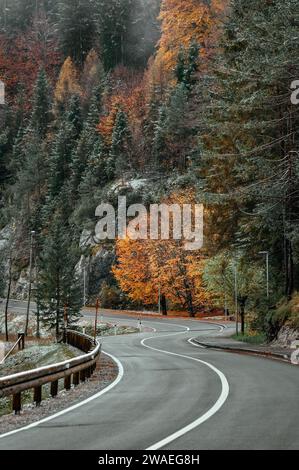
[173, 395]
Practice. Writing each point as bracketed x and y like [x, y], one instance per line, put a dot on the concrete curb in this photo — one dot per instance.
[253, 352]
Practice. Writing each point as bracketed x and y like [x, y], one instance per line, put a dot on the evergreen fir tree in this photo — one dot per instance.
[180, 66]
[40, 117]
[247, 159]
[120, 153]
[63, 147]
[114, 28]
[94, 178]
[58, 286]
[159, 141]
[89, 140]
[77, 28]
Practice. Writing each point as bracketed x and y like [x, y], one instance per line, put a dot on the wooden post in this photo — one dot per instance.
[21, 344]
[33, 233]
[67, 382]
[17, 403]
[65, 317]
[76, 379]
[37, 395]
[96, 321]
[82, 376]
[54, 389]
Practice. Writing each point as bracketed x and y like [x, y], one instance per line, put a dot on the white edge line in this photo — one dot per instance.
[212, 411]
[194, 344]
[78, 405]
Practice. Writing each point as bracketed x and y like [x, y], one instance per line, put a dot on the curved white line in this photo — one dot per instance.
[78, 405]
[194, 344]
[215, 408]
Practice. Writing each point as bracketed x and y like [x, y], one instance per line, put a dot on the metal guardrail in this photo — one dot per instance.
[74, 370]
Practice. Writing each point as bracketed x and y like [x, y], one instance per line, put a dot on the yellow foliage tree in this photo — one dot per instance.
[146, 267]
[92, 73]
[183, 22]
[67, 84]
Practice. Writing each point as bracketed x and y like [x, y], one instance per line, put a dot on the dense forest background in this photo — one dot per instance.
[172, 100]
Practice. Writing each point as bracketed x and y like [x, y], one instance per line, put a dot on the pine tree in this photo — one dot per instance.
[77, 28]
[40, 117]
[114, 28]
[58, 286]
[180, 65]
[120, 153]
[31, 178]
[248, 150]
[159, 141]
[94, 178]
[63, 147]
[89, 140]
[192, 65]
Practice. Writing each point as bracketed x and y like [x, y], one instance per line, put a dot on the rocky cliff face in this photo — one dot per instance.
[287, 336]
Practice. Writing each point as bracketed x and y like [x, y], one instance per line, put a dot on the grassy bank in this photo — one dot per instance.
[250, 338]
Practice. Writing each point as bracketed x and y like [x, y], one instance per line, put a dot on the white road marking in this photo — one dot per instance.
[78, 405]
[211, 412]
[194, 344]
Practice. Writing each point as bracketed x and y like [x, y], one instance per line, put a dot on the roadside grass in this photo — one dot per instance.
[31, 358]
[43, 353]
[256, 338]
[106, 329]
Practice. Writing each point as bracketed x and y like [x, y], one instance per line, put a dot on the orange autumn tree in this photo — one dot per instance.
[187, 21]
[146, 267]
[67, 84]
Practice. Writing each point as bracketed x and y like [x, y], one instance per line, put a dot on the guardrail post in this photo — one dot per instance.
[54, 389]
[78, 369]
[37, 395]
[17, 403]
[76, 379]
[82, 376]
[67, 382]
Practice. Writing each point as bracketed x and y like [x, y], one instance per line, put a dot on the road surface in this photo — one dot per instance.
[174, 395]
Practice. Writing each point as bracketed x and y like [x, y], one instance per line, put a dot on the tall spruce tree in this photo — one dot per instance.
[121, 148]
[248, 152]
[64, 143]
[89, 139]
[115, 19]
[58, 285]
[40, 117]
[77, 28]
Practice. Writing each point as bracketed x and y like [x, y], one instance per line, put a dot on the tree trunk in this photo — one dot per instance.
[190, 306]
[242, 303]
[7, 300]
[290, 267]
[164, 305]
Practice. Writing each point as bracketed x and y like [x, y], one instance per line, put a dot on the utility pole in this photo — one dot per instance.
[236, 299]
[8, 297]
[84, 286]
[159, 300]
[32, 236]
[96, 321]
[37, 302]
